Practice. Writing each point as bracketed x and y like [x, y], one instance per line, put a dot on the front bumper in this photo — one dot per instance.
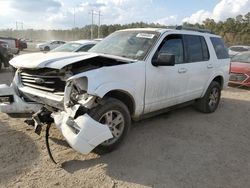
[16, 105]
[88, 135]
[82, 133]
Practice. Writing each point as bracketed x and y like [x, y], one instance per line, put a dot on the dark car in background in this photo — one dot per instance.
[5, 54]
[22, 44]
[13, 44]
[240, 70]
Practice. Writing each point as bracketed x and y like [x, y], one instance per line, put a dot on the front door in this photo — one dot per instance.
[166, 85]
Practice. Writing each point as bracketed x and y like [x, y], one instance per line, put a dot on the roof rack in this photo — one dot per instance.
[194, 29]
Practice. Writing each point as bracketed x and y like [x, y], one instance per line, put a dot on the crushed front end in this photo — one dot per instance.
[48, 97]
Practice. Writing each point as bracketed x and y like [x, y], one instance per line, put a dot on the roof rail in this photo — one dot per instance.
[194, 29]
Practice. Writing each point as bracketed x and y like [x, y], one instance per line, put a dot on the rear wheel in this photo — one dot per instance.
[116, 116]
[211, 99]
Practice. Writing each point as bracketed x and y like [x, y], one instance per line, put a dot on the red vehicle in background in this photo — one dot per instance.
[240, 70]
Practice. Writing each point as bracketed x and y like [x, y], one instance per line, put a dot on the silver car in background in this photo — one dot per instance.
[234, 50]
[76, 46]
[47, 46]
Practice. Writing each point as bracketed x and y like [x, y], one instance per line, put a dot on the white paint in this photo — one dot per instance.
[55, 60]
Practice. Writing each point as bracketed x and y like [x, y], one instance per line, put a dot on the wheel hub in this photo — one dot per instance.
[213, 98]
[115, 121]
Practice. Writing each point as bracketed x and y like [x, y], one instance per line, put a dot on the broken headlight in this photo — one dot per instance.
[78, 93]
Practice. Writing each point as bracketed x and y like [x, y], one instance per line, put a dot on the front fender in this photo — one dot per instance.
[105, 88]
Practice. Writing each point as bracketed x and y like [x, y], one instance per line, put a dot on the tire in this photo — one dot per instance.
[112, 108]
[1, 64]
[46, 48]
[211, 99]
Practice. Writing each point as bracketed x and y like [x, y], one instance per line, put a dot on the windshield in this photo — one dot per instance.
[244, 58]
[68, 47]
[129, 44]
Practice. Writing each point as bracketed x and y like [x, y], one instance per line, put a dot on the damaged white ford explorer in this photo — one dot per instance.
[92, 97]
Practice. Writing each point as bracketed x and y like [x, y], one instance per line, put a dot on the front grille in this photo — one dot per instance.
[42, 80]
[237, 77]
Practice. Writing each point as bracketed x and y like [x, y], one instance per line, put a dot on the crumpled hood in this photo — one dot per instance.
[55, 60]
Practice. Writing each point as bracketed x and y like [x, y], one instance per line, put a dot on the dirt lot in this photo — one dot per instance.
[183, 148]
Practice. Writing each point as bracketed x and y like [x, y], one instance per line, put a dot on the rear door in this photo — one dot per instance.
[199, 65]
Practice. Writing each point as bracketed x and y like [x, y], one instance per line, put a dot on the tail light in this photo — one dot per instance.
[17, 43]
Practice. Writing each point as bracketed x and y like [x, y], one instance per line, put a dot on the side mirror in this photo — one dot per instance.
[164, 59]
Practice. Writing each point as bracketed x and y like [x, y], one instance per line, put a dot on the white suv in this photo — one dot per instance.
[92, 97]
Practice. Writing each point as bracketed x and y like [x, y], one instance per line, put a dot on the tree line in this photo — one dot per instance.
[233, 30]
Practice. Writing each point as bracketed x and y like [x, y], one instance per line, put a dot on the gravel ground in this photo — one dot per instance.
[183, 148]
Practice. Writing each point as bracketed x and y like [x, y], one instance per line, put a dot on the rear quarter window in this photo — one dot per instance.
[220, 48]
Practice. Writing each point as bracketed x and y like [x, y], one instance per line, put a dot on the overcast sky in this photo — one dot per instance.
[53, 14]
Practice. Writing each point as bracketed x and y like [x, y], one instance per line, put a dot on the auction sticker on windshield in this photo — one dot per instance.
[145, 35]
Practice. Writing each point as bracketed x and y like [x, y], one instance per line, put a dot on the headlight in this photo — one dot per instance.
[76, 93]
[81, 83]
[79, 89]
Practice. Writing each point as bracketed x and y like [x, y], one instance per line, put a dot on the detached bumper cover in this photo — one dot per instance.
[89, 134]
[18, 105]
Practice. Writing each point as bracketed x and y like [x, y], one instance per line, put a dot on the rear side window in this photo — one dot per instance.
[194, 48]
[197, 49]
[220, 48]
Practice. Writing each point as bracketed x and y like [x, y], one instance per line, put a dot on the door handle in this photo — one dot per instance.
[209, 66]
[182, 70]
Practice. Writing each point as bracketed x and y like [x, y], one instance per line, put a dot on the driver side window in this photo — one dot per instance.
[173, 44]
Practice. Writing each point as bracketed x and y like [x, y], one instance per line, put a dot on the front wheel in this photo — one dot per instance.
[116, 116]
[211, 99]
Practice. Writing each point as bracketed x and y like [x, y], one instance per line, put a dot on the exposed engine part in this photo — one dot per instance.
[39, 119]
